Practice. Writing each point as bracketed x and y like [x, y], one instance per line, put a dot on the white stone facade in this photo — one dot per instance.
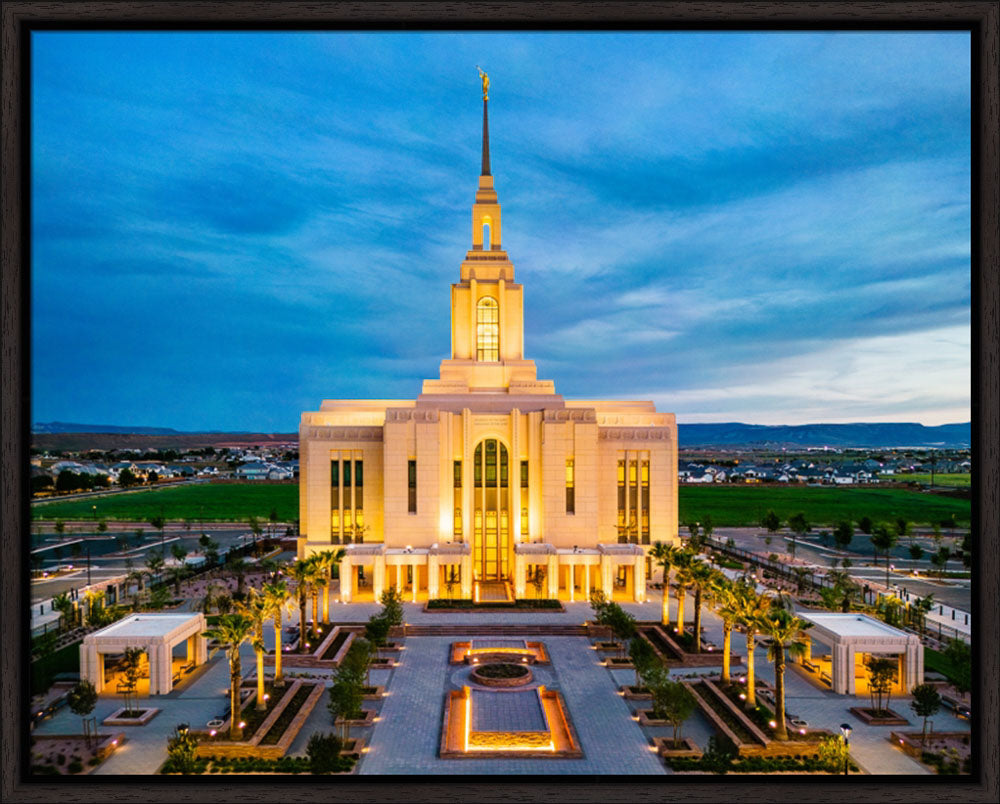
[488, 464]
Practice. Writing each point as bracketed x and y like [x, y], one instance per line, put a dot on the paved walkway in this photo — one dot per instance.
[407, 737]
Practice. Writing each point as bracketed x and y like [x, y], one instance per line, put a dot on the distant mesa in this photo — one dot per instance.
[714, 434]
[861, 434]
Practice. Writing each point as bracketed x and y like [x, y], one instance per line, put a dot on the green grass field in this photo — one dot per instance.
[961, 480]
[745, 505]
[727, 505]
[219, 502]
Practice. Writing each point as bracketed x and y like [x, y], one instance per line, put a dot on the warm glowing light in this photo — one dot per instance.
[212, 733]
[267, 697]
[772, 724]
[802, 731]
[242, 724]
[743, 696]
[115, 742]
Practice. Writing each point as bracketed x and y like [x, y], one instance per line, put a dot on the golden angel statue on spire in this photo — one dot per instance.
[486, 83]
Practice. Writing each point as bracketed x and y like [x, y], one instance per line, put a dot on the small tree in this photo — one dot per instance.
[538, 581]
[642, 655]
[926, 703]
[940, 559]
[800, 527]
[182, 749]
[881, 676]
[60, 527]
[960, 656]
[884, 538]
[377, 632]
[359, 659]
[622, 625]
[130, 671]
[346, 696]
[834, 753]
[127, 478]
[865, 525]
[323, 751]
[65, 607]
[843, 534]
[392, 606]
[673, 702]
[916, 552]
[771, 522]
[81, 700]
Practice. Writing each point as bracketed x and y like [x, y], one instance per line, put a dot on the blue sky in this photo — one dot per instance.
[760, 227]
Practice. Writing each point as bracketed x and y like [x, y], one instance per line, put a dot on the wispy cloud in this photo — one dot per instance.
[228, 228]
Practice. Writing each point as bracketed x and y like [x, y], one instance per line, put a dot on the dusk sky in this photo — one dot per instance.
[771, 228]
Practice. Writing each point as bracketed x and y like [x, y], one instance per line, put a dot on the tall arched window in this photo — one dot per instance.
[488, 329]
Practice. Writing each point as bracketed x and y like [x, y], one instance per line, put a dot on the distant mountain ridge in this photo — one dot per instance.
[714, 434]
[68, 427]
[861, 434]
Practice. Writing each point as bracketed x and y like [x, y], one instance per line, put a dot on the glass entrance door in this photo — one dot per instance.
[491, 542]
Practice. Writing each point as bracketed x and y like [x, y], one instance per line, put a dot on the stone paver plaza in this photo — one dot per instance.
[406, 737]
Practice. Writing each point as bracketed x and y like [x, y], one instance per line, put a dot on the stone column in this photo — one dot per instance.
[416, 581]
[200, 649]
[553, 575]
[189, 649]
[639, 580]
[466, 565]
[160, 676]
[572, 581]
[607, 585]
[586, 581]
[433, 575]
[92, 665]
[520, 576]
[378, 576]
[346, 574]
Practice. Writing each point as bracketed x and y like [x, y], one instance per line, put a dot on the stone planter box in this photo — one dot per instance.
[375, 696]
[367, 720]
[354, 745]
[618, 664]
[598, 631]
[384, 664]
[646, 718]
[252, 746]
[909, 742]
[665, 747]
[629, 695]
[865, 716]
[116, 719]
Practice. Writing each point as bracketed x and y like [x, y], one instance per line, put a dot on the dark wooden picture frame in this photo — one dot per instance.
[980, 18]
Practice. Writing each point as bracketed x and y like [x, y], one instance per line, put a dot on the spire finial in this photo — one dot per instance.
[486, 124]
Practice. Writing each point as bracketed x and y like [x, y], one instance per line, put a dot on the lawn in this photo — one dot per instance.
[960, 480]
[745, 505]
[208, 501]
[728, 505]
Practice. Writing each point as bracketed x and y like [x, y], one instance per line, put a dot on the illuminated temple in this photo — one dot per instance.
[488, 484]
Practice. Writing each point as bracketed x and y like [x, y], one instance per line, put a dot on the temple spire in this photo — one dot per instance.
[486, 122]
[486, 140]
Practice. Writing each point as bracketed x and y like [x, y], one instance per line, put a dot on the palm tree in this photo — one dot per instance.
[702, 576]
[784, 632]
[683, 560]
[231, 631]
[725, 599]
[276, 594]
[302, 572]
[327, 560]
[255, 609]
[753, 608]
[663, 555]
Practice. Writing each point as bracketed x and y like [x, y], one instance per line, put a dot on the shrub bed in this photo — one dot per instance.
[338, 641]
[725, 715]
[217, 764]
[288, 714]
[503, 670]
[808, 763]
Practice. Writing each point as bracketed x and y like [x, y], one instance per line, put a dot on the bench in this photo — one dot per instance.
[814, 668]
